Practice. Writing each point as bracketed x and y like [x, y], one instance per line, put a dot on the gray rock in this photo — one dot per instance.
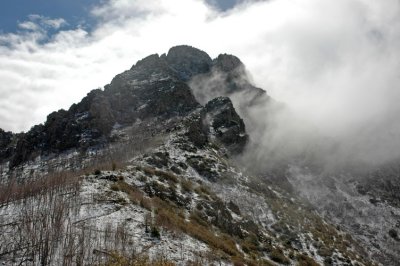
[188, 61]
[227, 124]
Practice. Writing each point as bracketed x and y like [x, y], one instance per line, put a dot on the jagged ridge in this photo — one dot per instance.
[154, 87]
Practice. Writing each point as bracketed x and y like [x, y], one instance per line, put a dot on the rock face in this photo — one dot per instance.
[229, 128]
[5, 138]
[156, 87]
[5, 141]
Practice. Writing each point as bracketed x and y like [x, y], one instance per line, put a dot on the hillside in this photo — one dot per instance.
[148, 172]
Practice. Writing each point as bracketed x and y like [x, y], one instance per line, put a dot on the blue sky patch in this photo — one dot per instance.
[74, 12]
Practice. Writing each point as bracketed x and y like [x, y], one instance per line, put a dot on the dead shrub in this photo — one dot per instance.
[166, 176]
[134, 194]
[148, 170]
[187, 185]
[116, 259]
[278, 256]
[304, 260]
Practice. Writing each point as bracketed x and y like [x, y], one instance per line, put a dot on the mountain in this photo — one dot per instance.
[154, 87]
[148, 172]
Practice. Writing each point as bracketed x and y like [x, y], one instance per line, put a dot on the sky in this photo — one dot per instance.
[334, 63]
[46, 56]
[76, 12]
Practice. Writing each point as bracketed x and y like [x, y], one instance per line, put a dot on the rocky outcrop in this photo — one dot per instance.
[226, 124]
[218, 121]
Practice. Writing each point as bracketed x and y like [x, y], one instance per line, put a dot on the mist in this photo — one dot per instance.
[358, 131]
[335, 72]
[333, 76]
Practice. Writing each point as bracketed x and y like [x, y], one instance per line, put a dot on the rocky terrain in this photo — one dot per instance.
[364, 204]
[148, 172]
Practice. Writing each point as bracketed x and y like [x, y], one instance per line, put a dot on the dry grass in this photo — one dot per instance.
[278, 256]
[148, 170]
[303, 260]
[115, 259]
[187, 185]
[169, 218]
[166, 176]
[146, 203]
[134, 194]
[202, 190]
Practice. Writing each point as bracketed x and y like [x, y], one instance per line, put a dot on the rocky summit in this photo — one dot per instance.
[155, 87]
[147, 172]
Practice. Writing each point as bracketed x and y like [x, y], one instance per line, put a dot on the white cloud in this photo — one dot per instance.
[41, 23]
[28, 25]
[54, 23]
[336, 63]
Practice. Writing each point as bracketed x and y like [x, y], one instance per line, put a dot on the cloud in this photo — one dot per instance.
[28, 25]
[40, 23]
[334, 63]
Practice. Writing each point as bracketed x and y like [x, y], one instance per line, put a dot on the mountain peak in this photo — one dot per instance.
[156, 88]
[187, 51]
[188, 61]
[148, 61]
[227, 62]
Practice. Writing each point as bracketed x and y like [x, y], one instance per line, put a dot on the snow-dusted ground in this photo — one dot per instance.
[94, 220]
[341, 203]
[94, 212]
